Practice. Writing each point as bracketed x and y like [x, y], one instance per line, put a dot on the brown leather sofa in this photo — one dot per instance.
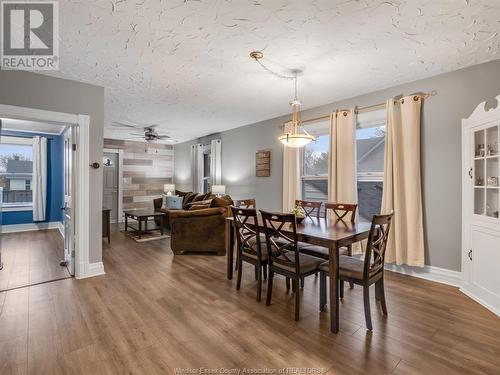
[198, 231]
[200, 227]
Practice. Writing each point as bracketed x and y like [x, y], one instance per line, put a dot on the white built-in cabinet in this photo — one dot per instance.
[480, 206]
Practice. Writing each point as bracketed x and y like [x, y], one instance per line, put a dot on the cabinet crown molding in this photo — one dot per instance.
[480, 112]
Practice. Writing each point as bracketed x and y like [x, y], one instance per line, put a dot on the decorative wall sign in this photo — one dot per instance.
[263, 163]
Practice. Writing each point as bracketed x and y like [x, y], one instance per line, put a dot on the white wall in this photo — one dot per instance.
[26, 89]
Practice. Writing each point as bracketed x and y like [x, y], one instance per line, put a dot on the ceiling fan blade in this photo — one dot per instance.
[123, 125]
[134, 137]
[137, 134]
[163, 137]
[151, 126]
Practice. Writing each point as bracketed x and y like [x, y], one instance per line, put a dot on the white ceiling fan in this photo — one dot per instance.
[149, 132]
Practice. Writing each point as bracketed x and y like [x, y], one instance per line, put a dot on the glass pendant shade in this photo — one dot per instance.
[297, 136]
[296, 140]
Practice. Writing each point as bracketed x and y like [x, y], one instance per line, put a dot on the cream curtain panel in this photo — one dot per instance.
[342, 158]
[39, 178]
[291, 177]
[197, 167]
[216, 162]
[402, 181]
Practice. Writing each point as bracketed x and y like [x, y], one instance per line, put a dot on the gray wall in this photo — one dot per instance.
[459, 93]
[26, 89]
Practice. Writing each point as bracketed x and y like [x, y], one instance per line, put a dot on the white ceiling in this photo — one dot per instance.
[184, 64]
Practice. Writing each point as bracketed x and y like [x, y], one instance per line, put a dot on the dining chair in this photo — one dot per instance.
[311, 209]
[250, 244]
[364, 272]
[342, 211]
[284, 257]
[245, 203]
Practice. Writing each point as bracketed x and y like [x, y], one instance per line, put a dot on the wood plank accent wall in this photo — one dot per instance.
[146, 167]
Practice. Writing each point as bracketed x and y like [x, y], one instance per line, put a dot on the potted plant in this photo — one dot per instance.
[299, 213]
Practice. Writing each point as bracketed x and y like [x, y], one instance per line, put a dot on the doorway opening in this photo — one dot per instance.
[37, 198]
[112, 198]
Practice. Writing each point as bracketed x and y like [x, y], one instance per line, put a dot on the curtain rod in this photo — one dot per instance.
[366, 108]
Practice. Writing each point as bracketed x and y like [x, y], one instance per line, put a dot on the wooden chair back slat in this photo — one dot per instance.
[341, 211]
[311, 209]
[245, 203]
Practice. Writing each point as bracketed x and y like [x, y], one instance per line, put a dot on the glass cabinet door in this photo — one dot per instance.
[486, 172]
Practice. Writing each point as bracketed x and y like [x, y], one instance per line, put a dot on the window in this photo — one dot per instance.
[315, 164]
[17, 184]
[206, 169]
[370, 148]
[16, 171]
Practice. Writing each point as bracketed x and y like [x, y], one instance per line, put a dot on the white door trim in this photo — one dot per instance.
[83, 268]
[118, 151]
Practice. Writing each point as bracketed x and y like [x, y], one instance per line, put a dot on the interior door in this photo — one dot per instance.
[110, 184]
[68, 214]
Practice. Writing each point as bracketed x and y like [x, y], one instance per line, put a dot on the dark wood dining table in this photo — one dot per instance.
[330, 233]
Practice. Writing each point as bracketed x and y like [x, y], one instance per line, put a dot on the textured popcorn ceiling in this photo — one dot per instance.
[184, 64]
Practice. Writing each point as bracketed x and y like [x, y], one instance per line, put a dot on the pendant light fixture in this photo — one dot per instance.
[294, 133]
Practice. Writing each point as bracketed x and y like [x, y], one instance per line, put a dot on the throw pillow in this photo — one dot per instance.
[172, 202]
[199, 197]
[222, 201]
[182, 193]
[205, 202]
[188, 199]
[208, 196]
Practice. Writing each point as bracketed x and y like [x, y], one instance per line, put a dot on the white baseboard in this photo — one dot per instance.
[494, 309]
[60, 226]
[437, 274]
[92, 269]
[12, 228]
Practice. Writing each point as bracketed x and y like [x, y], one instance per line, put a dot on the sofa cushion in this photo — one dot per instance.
[188, 199]
[196, 213]
[197, 206]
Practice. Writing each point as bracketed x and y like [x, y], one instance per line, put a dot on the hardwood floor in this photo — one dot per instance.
[31, 257]
[153, 312]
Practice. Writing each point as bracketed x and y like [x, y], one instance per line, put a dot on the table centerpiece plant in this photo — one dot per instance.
[299, 213]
